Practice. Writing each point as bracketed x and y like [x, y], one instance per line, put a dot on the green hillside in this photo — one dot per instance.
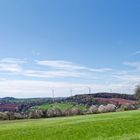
[111, 126]
[62, 106]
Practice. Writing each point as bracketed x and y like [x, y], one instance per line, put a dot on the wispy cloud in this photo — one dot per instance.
[130, 75]
[135, 65]
[52, 74]
[100, 79]
[133, 78]
[30, 88]
[14, 66]
[64, 69]
[59, 64]
[11, 65]
[136, 53]
[13, 60]
[100, 69]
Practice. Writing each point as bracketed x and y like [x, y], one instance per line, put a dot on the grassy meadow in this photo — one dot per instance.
[109, 126]
[62, 106]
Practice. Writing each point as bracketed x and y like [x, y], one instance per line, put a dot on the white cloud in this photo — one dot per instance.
[11, 65]
[101, 70]
[52, 74]
[106, 78]
[14, 66]
[12, 60]
[129, 78]
[59, 64]
[30, 88]
[133, 64]
[59, 69]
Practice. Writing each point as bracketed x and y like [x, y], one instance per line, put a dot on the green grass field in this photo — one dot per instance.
[111, 126]
[62, 106]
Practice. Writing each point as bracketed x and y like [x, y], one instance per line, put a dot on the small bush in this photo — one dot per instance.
[54, 112]
[35, 114]
[126, 107]
[110, 108]
[102, 109]
[72, 112]
[93, 110]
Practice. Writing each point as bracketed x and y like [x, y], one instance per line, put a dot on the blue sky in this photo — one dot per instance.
[73, 44]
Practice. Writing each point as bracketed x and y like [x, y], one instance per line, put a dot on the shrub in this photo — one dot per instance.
[4, 116]
[35, 114]
[72, 112]
[10, 115]
[127, 106]
[18, 116]
[110, 108]
[55, 112]
[102, 109]
[93, 110]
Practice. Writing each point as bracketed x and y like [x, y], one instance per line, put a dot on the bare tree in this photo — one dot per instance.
[137, 93]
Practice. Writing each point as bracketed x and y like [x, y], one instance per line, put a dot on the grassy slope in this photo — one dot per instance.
[62, 106]
[111, 126]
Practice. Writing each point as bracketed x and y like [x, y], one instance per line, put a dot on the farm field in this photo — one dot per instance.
[110, 126]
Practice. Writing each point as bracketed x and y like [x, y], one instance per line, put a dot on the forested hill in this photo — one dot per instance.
[107, 95]
[94, 95]
[83, 98]
[102, 98]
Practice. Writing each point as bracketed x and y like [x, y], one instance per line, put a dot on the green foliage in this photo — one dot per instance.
[110, 126]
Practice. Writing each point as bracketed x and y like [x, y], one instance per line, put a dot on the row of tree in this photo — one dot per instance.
[56, 112]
